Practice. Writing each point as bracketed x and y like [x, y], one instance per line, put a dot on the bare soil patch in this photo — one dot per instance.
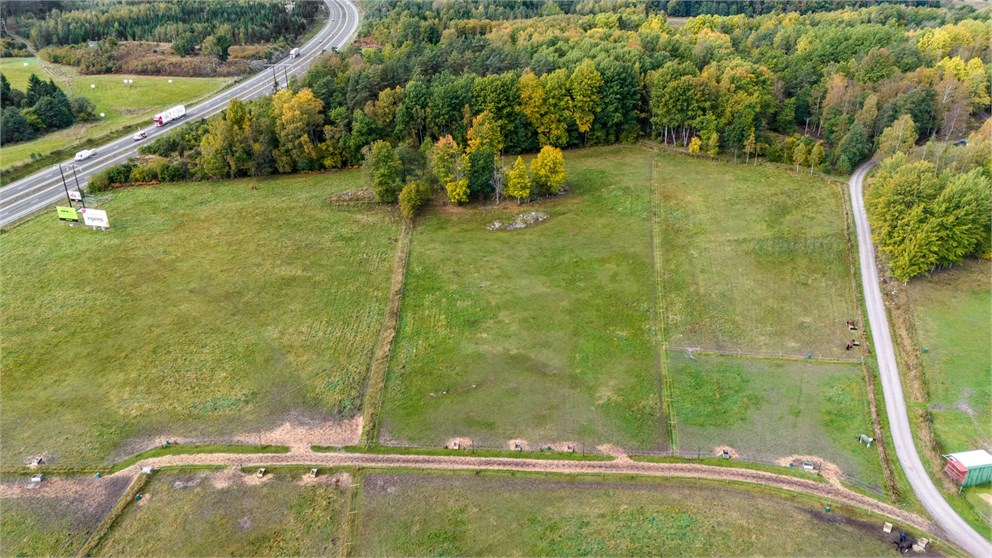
[301, 435]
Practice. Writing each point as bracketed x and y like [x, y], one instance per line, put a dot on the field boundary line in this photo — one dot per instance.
[771, 356]
[348, 524]
[372, 406]
[658, 311]
[876, 423]
[108, 522]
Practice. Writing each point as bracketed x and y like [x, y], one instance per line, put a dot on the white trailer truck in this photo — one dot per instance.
[163, 118]
[294, 53]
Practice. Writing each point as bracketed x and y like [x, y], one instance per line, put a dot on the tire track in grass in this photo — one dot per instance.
[372, 406]
[660, 336]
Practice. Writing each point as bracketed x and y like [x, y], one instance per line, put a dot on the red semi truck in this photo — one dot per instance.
[163, 118]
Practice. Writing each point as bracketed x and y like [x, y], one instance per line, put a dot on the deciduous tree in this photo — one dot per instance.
[383, 171]
[547, 171]
[518, 181]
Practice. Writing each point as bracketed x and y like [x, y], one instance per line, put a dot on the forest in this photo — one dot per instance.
[250, 21]
[820, 90]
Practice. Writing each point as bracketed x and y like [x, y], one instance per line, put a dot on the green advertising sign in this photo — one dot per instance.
[67, 213]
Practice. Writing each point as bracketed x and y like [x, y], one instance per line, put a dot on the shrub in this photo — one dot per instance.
[412, 197]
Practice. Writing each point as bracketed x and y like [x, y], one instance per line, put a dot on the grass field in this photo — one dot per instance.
[499, 515]
[754, 259]
[122, 104]
[952, 311]
[56, 525]
[543, 333]
[185, 514]
[207, 310]
[766, 409]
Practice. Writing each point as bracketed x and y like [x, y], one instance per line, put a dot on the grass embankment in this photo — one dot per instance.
[542, 333]
[122, 104]
[241, 306]
[185, 514]
[507, 515]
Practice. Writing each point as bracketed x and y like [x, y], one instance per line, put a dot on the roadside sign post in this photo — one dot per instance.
[64, 185]
[78, 188]
[96, 218]
[67, 214]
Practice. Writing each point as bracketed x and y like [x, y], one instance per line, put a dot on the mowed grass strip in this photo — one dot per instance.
[121, 103]
[499, 515]
[952, 311]
[768, 409]
[195, 514]
[755, 259]
[542, 333]
[208, 310]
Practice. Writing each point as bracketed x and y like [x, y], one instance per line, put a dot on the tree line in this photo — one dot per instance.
[42, 108]
[815, 90]
[250, 21]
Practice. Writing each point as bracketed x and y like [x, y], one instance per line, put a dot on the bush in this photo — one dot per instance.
[99, 182]
[413, 195]
[174, 172]
[144, 173]
[120, 174]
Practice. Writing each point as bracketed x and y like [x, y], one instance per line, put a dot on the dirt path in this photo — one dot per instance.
[833, 494]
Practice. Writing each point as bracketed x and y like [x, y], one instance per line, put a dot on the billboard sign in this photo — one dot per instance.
[95, 218]
[66, 213]
[75, 195]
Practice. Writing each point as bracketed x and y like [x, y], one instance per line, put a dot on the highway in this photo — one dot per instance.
[43, 189]
[955, 529]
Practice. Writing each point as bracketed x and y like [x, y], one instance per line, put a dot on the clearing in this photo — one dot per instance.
[542, 334]
[754, 259]
[952, 311]
[207, 311]
[122, 104]
[500, 514]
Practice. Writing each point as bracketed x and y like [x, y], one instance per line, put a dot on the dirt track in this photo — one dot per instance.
[831, 493]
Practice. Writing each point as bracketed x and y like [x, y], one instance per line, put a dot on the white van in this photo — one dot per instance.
[85, 154]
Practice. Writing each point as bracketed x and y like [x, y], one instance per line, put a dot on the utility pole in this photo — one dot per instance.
[64, 185]
[286, 75]
[275, 81]
[82, 198]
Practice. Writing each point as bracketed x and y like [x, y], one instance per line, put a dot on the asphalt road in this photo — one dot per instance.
[44, 188]
[955, 529]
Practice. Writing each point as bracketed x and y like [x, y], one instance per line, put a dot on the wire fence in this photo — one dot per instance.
[818, 357]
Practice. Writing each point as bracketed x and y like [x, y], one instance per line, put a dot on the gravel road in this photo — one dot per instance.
[954, 528]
